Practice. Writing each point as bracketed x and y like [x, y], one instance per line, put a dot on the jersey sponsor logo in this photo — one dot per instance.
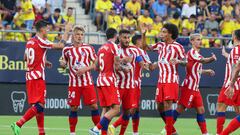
[18, 100]
[6, 64]
[63, 71]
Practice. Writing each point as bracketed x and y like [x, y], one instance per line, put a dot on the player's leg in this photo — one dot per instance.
[40, 121]
[232, 126]
[74, 94]
[168, 115]
[201, 120]
[221, 109]
[90, 99]
[136, 115]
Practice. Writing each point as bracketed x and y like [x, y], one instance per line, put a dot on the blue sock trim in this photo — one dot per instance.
[200, 118]
[125, 117]
[238, 118]
[104, 122]
[175, 114]
[136, 115]
[39, 107]
[221, 114]
[168, 113]
[73, 114]
[94, 112]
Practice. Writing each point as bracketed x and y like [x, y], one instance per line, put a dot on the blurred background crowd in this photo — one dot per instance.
[212, 18]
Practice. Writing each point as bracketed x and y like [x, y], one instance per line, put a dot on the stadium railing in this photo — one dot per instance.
[98, 36]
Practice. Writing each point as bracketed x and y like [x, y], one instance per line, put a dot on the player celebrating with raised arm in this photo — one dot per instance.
[223, 100]
[167, 88]
[108, 61]
[80, 58]
[190, 94]
[35, 55]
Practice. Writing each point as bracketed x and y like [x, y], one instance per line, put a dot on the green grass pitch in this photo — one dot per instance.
[148, 126]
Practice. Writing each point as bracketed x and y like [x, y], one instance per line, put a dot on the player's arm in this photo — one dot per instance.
[224, 53]
[209, 72]
[143, 31]
[182, 62]
[153, 66]
[64, 39]
[48, 64]
[85, 69]
[209, 59]
[235, 74]
[63, 62]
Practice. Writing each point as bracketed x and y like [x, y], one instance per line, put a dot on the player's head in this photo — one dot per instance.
[137, 40]
[78, 34]
[42, 27]
[169, 32]
[124, 37]
[236, 37]
[196, 40]
[111, 33]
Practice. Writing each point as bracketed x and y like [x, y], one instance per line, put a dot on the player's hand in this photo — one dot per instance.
[68, 27]
[210, 72]
[174, 61]
[214, 57]
[81, 71]
[48, 64]
[146, 66]
[127, 59]
[230, 91]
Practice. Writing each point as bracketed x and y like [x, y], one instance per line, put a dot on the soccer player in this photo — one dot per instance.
[108, 61]
[167, 88]
[137, 41]
[80, 58]
[35, 56]
[223, 100]
[190, 94]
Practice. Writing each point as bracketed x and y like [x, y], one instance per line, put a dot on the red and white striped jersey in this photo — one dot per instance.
[77, 57]
[193, 70]
[127, 80]
[35, 54]
[106, 54]
[138, 69]
[232, 60]
[168, 73]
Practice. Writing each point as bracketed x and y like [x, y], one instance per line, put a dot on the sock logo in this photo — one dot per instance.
[18, 100]
[212, 103]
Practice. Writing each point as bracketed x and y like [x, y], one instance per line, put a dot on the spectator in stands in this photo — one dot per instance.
[28, 14]
[53, 4]
[215, 41]
[129, 22]
[172, 9]
[119, 7]
[114, 20]
[7, 9]
[189, 24]
[200, 23]
[176, 20]
[202, 9]
[134, 6]
[184, 41]
[56, 19]
[211, 23]
[237, 9]
[22, 36]
[205, 41]
[69, 16]
[157, 25]
[227, 8]
[189, 9]
[215, 8]
[227, 26]
[145, 19]
[51, 36]
[8, 36]
[151, 35]
[18, 19]
[40, 7]
[102, 8]
[159, 8]
[237, 23]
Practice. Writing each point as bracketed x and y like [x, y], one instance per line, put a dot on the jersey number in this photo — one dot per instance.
[101, 62]
[30, 54]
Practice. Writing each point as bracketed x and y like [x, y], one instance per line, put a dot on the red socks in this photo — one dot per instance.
[73, 119]
[233, 125]
[118, 122]
[125, 121]
[40, 123]
[95, 116]
[31, 112]
[220, 121]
